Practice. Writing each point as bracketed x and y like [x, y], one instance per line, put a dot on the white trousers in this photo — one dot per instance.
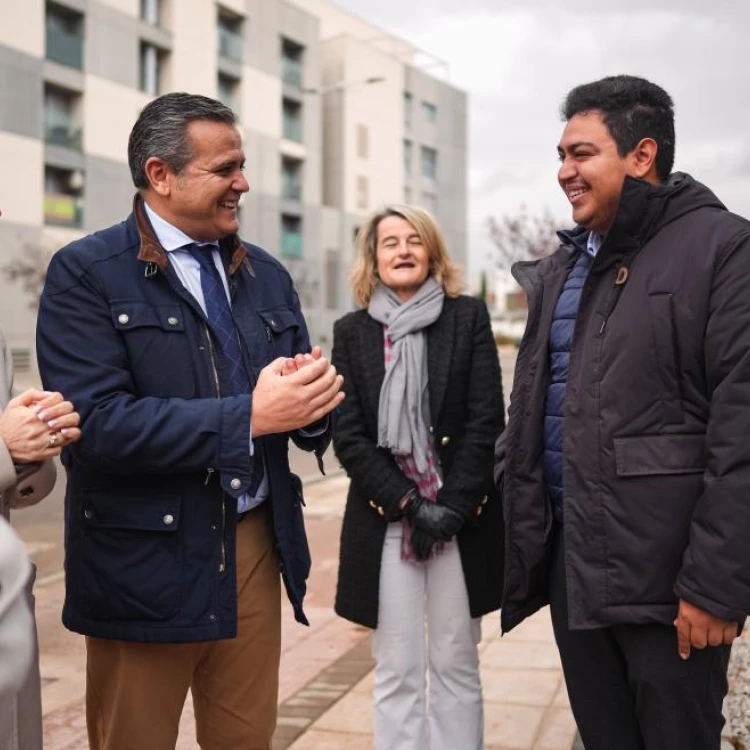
[408, 715]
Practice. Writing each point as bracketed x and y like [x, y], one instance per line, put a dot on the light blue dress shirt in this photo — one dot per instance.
[594, 243]
[188, 271]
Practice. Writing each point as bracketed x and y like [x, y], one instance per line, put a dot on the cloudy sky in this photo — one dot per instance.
[518, 58]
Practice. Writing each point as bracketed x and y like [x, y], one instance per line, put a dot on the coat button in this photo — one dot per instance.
[168, 519]
[484, 500]
[444, 440]
[213, 617]
[215, 526]
[373, 504]
[88, 514]
[172, 321]
[381, 512]
[235, 484]
[432, 429]
[480, 510]
[123, 319]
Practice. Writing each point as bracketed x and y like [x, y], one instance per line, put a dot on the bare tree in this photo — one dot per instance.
[29, 269]
[523, 237]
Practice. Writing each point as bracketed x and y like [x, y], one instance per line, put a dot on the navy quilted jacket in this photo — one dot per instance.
[560, 344]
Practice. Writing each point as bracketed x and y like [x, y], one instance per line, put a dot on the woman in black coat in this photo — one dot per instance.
[422, 539]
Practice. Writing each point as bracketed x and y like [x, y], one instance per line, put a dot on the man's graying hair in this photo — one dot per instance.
[161, 131]
[632, 108]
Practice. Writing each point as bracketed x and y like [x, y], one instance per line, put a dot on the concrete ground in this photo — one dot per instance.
[326, 670]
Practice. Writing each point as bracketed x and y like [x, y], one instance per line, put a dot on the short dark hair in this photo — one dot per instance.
[161, 131]
[632, 109]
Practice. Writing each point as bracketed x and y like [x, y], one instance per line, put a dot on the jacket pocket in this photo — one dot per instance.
[667, 353]
[647, 455]
[156, 335]
[281, 328]
[130, 565]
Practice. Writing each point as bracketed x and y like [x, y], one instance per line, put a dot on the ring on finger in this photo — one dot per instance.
[53, 436]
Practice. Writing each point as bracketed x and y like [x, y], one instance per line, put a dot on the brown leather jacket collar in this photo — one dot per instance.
[151, 251]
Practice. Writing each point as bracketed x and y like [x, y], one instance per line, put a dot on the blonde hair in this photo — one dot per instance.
[364, 275]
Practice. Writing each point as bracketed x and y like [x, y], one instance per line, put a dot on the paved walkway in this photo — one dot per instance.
[326, 670]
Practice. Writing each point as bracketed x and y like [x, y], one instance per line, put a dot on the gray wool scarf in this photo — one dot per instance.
[404, 408]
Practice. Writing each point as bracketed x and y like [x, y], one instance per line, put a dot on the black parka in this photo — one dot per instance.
[656, 467]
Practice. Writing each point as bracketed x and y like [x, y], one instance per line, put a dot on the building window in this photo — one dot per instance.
[151, 69]
[407, 109]
[151, 11]
[291, 179]
[227, 89]
[429, 201]
[230, 36]
[291, 62]
[429, 162]
[408, 153]
[429, 112]
[64, 36]
[333, 270]
[363, 192]
[63, 197]
[292, 120]
[291, 236]
[61, 124]
[363, 142]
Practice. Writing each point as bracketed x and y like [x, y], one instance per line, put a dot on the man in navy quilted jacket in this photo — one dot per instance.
[187, 355]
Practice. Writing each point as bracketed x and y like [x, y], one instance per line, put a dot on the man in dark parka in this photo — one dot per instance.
[626, 458]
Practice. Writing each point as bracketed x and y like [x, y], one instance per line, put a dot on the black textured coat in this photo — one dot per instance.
[656, 467]
[466, 407]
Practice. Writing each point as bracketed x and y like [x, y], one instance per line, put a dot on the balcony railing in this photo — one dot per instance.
[292, 128]
[291, 71]
[69, 136]
[65, 47]
[291, 244]
[62, 210]
[291, 188]
[230, 44]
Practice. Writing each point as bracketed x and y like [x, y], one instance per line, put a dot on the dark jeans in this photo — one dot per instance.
[629, 689]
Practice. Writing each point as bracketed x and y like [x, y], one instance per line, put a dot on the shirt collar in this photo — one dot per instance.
[594, 243]
[170, 237]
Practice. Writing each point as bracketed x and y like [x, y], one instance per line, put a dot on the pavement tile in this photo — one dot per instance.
[561, 699]
[558, 730]
[319, 740]
[353, 714]
[521, 655]
[530, 687]
[511, 726]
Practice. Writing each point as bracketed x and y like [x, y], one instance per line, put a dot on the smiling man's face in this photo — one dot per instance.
[592, 171]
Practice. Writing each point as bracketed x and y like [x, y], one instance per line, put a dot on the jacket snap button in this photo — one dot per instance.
[373, 504]
[172, 321]
[484, 500]
[480, 510]
[444, 440]
[213, 617]
[214, 526]
[123, 319]
[168, 519]
[235, 484]
[272, 322]
[88, 514]
[381, 512]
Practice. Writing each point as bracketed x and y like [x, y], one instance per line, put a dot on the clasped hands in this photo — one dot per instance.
[295, 392]
[430, 523]
[37, 425]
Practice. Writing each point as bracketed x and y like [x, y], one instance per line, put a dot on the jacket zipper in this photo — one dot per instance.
[210, 471]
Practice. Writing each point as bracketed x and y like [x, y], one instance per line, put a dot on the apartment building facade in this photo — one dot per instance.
[323, 115]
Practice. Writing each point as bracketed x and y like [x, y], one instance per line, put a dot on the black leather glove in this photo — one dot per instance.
[439, 521]
[422, 543]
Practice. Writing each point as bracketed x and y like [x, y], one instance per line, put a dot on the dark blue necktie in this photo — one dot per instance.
[230, 364]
